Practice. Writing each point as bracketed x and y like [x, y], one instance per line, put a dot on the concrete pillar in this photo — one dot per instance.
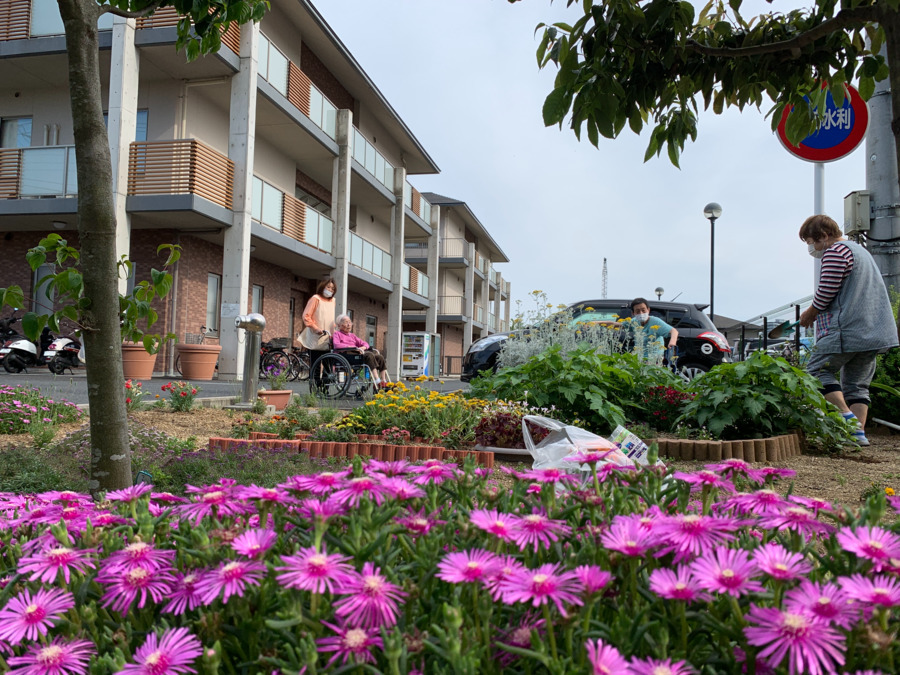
[496, 328]
[432, 270]
[121, 126]
[506, 309]
[340, 208]
[236, 251]
[395, 301]
[485, 303]
[469, 309]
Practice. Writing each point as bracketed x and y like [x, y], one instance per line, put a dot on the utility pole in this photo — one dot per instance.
[604, 278]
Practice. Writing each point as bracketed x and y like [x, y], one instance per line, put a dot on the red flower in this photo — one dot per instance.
[184, 393]
[127, 400]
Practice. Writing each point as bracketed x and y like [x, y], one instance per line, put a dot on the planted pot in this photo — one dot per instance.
[197, 362]
[137, 362]
[277, 397]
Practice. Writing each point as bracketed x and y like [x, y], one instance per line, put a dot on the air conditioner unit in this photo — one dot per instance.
[857, 212]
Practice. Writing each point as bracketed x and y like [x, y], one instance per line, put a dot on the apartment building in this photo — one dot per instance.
[273, 163]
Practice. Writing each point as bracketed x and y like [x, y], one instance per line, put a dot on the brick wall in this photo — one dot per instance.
[309, 185]
[320, 75]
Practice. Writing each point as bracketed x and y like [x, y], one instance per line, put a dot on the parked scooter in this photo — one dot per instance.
[23, 353]
[8, 334]
[62, 354]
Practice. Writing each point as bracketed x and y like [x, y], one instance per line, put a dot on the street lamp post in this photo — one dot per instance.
[712, 211]
[659, 291]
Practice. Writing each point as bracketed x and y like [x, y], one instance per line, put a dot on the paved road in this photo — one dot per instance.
[73, 387]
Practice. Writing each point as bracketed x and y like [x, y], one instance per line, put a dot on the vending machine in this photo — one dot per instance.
[415, 355]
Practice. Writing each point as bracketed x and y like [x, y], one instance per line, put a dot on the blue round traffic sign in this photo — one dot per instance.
[841, 132]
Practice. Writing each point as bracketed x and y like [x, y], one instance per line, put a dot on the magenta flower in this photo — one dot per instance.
[811, 646]
[548, 476]
[871, 543]
[372, 600]
[813, 503]
[168, 498]
[659, 667]
[317, 483]
[730, 467]
[779, 563]
[124, 586]
[506, 567]
[677, 584]
[592, 578]
[216, 500]
[727, 571]
[310, 570]
[354, 489]
[401, 489]
[797, 519]
[502, 525]
[254, 543]
[137, 554]
[171, 654]
[434, 473]
[184, 594]
[690, 534]
[519, 636]
[826, 601]
[230, 578]
[761, 501]
[629, 536]
[419, 522]
[350, 645]
[387, 469]
[881, 590]
[467, 566]
[536, 529]
[548, 583]
[46, 565]
[589, 456]
[60, 657]
[129, 494]
[316, 509]
[762, 474]
[705, 479]
[605, 659]
[27, 616]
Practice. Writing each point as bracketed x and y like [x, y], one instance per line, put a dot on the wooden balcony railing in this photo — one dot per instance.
[15, 20]
[168, 17]
[180, 167]
[10, 172]
[298, 88]
[294, 218]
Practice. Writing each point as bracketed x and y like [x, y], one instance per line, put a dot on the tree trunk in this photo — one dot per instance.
[110, 452]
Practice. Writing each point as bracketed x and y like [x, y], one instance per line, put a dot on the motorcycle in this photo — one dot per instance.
[22, 353]
[61, 354]
[8, 334]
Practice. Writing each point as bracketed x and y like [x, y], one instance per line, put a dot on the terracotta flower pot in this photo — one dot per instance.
[278, 397]
[137, 363]
[198, 362]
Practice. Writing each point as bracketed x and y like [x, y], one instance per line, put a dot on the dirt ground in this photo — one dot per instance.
[843, 478]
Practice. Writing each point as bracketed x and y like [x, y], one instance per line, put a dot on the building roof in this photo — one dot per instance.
[335, 55]
[471, 220]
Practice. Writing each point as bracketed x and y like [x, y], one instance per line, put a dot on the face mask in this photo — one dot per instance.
[813, 252]
[642, 318]
[327, 293]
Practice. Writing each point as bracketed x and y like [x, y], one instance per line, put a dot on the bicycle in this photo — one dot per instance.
[195, 339]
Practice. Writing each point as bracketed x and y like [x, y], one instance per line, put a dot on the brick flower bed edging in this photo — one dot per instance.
[774, 449]
[385, 452]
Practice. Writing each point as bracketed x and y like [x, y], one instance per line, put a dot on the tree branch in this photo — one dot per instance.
[843, 19]
[147, 11]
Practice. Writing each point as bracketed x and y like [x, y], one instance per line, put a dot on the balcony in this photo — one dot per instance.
[492, 322]
[372, 160]
[479, 314]
[451, 305]
[286, 214]
[416, 203]
[366, 255]
[415, 281]
[167, 17]
[38, 173]
[180, 167]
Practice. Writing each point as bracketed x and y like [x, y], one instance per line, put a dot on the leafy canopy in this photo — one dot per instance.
[639, 62]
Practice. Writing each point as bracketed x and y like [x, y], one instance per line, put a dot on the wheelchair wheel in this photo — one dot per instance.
[363, 387]
[330, 376]
[299, 367]
[273, 364]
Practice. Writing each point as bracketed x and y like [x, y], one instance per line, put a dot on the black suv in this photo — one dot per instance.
[700, 346]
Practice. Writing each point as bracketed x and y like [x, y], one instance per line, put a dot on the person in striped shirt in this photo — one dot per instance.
[853, 317]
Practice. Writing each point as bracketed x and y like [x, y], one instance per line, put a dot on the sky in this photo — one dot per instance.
[463, 76]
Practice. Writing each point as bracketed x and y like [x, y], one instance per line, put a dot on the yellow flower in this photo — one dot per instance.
[889, 491]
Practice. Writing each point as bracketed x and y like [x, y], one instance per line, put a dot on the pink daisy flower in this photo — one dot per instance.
[168, 498]
[46, 565]
[519, 636]
[137, 554]
[269, 495]
[502, 525]
[548, 583]
[677, 584]
[811, 646]
[27, 616]
[171, 654]
[628, 535]
[727, 571]
[129, 494]
[871, 543]
[730, 467]
[797, 519]
[761, 501]
[318, 483]
[894, 502]
[310, 570]
[507, 566]
[372, 600]
[124, 586]
[689, 534]
[184, 594]
[316, 509]
[770, 472]
[387, 469]
[589, 456]
[434, 473]
[548, 476]
[60, 657]
[401, 489]
[659, 667]
[354, 489]
[419, 522]
[705, 479]
[230, 578]
[812, 503]
[826, 601]
[211, 500]
[881, 590]
[605, 659]
[779, 563]
[254, 543]
[592, 578]
[467, 566]
[536, 529]
[350, 645]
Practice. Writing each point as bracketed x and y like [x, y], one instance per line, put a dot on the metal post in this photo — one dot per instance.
[765, 338]
[743, 342]
[712, 269]
[253, 325]
[797, 332]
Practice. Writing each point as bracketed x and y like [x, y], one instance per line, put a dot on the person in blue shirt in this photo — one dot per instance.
[651, 340]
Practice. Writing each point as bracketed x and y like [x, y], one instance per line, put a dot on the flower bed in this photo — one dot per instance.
[427, 569]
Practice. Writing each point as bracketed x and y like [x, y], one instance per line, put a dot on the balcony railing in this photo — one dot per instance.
[282, 212]
[451, 304]
[415, 249]
[180, 167]
[505, 288]
[492, 321]
[414, 280]
[368, 256]
[29, 173]
[416, 203]
[168, 17]
[492, 275]
[373, 161]
[454, 248]
[479, 314]
[481, 263]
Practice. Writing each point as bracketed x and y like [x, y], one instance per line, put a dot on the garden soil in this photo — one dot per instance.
[843, 478]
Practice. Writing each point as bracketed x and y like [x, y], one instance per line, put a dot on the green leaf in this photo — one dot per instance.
[866, 87]
[556, 106]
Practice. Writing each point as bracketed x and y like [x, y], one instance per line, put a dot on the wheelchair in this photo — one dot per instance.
[340, 374]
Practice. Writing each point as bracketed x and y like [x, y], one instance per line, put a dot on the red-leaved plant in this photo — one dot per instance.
[662, 406]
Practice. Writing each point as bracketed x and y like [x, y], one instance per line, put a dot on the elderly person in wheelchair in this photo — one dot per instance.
[350, 346]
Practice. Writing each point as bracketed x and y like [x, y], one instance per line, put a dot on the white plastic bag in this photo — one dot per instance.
[564, 440]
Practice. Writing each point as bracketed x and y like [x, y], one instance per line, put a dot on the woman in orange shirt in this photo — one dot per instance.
[318, 316]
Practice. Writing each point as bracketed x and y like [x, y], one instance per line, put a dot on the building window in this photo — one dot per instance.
[140, 130]
[371, 329]
[256, 299]
[213, 302]
[15, 132]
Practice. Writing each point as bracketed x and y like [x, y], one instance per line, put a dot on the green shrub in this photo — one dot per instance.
[886, 405]
[22, 406]
[26, 470]
[763, 396]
